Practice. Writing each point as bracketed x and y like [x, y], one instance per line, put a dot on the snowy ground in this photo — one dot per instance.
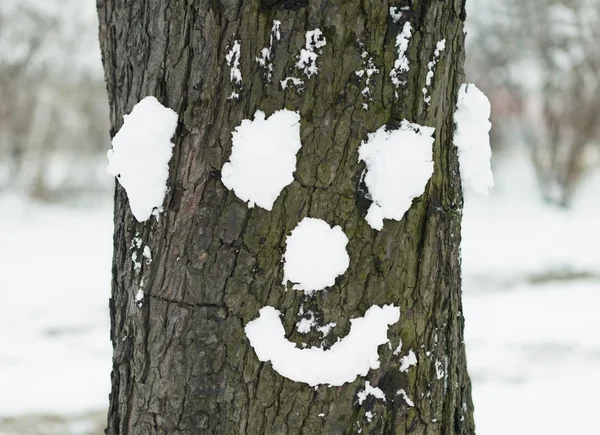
[54, 348]
[532, 287]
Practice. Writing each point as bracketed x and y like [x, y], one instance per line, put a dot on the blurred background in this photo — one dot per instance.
[530, 250]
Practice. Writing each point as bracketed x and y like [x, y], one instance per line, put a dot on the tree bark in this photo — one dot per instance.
[182, 363]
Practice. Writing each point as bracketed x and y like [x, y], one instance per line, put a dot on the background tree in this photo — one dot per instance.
[182, 363]
[54, 120]
[541, 68]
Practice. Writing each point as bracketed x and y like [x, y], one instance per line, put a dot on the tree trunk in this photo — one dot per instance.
[182, 363]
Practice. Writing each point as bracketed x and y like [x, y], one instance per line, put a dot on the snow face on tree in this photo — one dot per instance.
[352, 356]
[140, 156]
[399, 165]
[472, 138]
[262, 163]
[315, 255]
[263, 157]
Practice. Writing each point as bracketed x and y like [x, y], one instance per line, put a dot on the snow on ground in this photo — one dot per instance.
[401, 64]
[534, 358]
[521, 236]
[55, 352]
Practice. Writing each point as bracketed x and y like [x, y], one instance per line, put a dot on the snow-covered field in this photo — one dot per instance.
[532, 287]
[55, 352]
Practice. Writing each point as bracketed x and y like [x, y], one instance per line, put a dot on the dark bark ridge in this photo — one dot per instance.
[182, 363]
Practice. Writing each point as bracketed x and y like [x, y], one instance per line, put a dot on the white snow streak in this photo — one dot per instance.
[264, 60]
[140, 155]
[402, 393]
[398, 349]
[440, 46]
[233, 61]
[401, 65]
[365, 74]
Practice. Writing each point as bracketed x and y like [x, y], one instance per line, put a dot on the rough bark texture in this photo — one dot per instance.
[182, 363]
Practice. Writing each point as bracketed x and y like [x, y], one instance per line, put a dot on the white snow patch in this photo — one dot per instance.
[263, 157]
[296, 82]
[140, 155]
[440, 46]
[373, 391]
[472, 138]
[369, 416]
[325, 329]
[352, 356]
[315, 255]
[398, 349]
[401, 64]
[233, 61]
[399, 165]
[137, 241]
[396, 12]
[264, 60]
[147, 253]
[137, 265]
[306, 324]
[139, 298]
[307, 61]
[408, 361]
[402, 393]
[439, 370]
